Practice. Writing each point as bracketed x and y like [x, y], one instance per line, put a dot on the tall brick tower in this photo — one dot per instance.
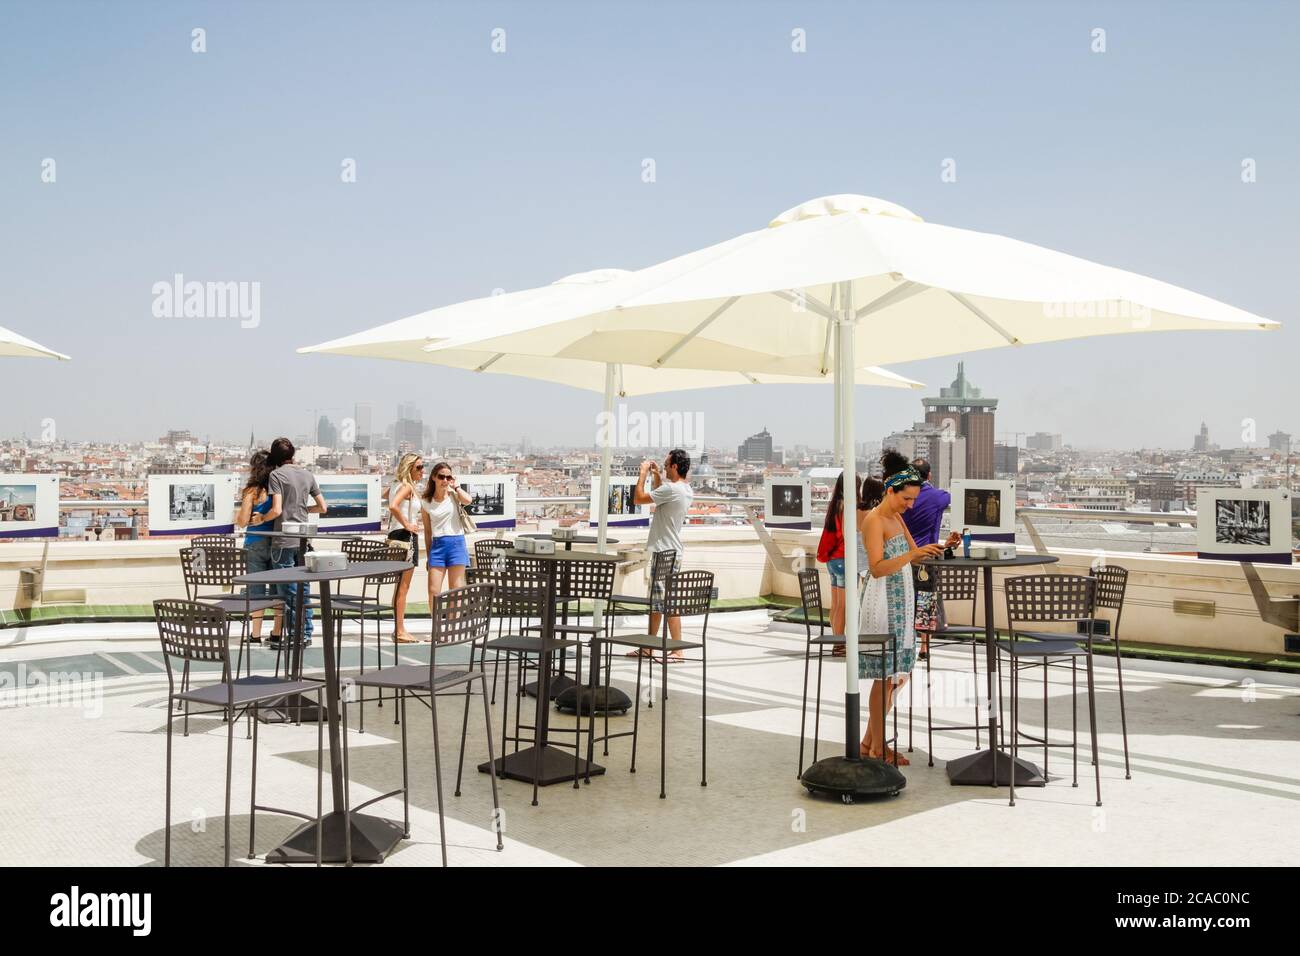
[971, 416]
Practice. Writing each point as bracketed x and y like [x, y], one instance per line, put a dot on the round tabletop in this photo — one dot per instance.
[577, 539]
[298, 575]
[253, 530]
[1020, 560]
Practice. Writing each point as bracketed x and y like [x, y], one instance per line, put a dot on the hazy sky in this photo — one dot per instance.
[477, 170]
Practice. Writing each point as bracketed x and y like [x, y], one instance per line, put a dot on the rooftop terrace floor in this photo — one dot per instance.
[1215, 755]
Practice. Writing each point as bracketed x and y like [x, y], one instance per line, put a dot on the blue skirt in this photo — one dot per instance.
[448, 551]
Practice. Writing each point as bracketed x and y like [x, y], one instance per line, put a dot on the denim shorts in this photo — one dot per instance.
[448, 551]
[836, 568]
[257, 550]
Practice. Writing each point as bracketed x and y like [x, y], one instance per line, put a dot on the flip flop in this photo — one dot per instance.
[406, 639]
[674, 660]
[641, 652]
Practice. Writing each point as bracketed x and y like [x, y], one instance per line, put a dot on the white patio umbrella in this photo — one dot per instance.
[787, 298]
[14, 345]
[410, 340]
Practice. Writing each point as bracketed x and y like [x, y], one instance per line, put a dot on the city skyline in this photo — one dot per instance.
[424, 224]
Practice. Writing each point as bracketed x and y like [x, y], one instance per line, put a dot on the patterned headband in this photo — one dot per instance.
[907, 476]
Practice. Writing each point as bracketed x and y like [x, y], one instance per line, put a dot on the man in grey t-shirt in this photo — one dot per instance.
[672, 500]
[294, 495]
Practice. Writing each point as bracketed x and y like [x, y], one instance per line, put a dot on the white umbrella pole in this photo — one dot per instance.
[602, 532]
[844, 378]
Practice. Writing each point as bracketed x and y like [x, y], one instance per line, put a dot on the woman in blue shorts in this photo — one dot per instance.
[448, 557]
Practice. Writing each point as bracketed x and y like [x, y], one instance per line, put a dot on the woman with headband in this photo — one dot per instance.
[888, 603]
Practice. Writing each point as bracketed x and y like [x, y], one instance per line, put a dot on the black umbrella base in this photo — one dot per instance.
[850, 779]
[559, 684]
[992, 768]
[373, 838]
[616, 703]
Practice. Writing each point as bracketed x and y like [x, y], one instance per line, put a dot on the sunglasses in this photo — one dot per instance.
[443, 477]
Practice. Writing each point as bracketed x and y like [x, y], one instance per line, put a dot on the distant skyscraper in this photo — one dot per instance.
[1044, 441]
[1202, 440]
[1279, 441]
[408, 430]
[363, 415]
[446, 436]
[327, 435]
[945, 451]
[971, 417]
[1006, 459]
[756, 448]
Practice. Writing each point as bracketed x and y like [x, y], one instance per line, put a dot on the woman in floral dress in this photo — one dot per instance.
[888, 603]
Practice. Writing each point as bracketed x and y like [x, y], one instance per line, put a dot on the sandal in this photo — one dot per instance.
[641, 652]
[405, 639]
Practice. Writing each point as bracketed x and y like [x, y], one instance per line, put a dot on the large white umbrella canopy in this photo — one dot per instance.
[14, 345]
[844, 280]
[415, 339]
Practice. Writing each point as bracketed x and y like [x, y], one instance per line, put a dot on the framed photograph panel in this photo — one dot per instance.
[494, 499]
[1244, 524]
[192, 504]
[787, 503]
[353, 502]
[29, 506]
[987, 507]
[623, 511]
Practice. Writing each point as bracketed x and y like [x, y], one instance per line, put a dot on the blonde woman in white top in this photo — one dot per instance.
[403, 509]
[448, 555]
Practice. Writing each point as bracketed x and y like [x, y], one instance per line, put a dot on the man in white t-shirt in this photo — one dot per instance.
[672, 499]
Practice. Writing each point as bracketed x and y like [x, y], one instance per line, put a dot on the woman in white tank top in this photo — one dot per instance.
[404, 529]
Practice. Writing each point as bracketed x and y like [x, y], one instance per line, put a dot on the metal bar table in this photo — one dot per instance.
[989, 767]
[298, 708]
[543, 764]
[562, 681]
[372, 836]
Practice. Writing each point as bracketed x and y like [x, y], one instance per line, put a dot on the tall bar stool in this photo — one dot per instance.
[1112, 583]
[1057, 599]
[192, 631]
[369, 602]
[686, 594]
[209, 575]
[810, 595]
[955, 585]
[459, 617]
[580, 581]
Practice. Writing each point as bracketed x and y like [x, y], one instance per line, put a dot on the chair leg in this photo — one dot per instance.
[817, 706]
[929, 711]
[320, 780]
[704, 716]
[577, 712]
[1047, 673]
[505, 713]
[1074, 718]
[167, 826]
[347, 783]
[1015, 725]
[803, 709]
[230, 768]
[437, 773]
[252, 790]
[663, 731]
[1092, 720]
[1123, 718]
[496, 803]
[464, 725]
[975, 670]
[400, 704]
[636, 711]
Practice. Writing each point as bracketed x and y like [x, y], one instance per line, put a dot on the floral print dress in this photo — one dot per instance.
[889, 607]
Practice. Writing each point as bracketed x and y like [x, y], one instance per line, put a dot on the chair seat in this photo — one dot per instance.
[235, 604]
[633, 599]
[522, 644]
[829, 640]
[651, 642]
[957, 630]
[251, 690]
[413, 677]
[1051, 637]
[1041, 648]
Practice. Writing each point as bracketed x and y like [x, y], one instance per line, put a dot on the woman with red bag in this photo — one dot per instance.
[830, 550]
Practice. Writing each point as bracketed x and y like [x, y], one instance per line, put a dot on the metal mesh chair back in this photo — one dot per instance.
[589, 579]
[1112, 581]
[192, 631]
[213, 541]
[365, 549]
[485, 551]
[810, 593]
[520, 595]
[463, 615]
[523, 564]
[957, 584]
[212, 568]
[689, 593]
[1049, 597]
[662, 566]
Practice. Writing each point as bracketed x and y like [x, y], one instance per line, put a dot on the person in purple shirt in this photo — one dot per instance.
[925, 516]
